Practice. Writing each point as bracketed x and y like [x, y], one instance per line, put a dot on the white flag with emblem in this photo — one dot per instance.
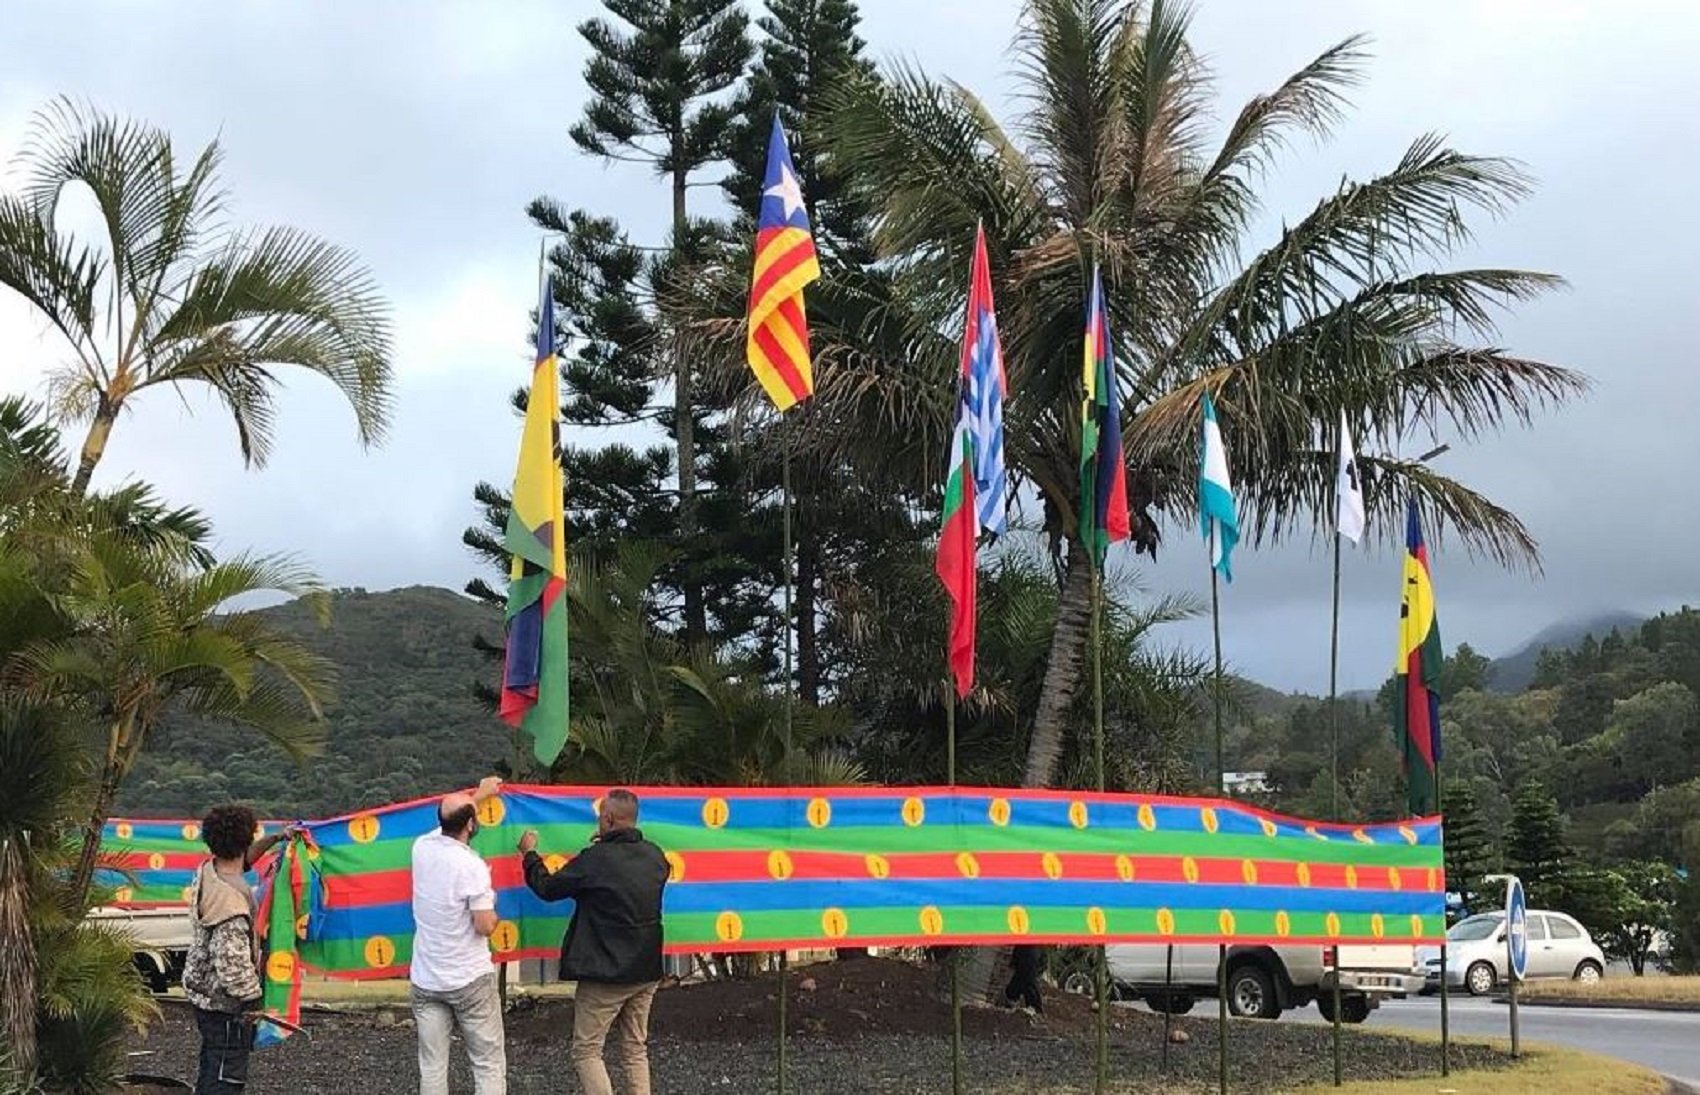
[1348, 489]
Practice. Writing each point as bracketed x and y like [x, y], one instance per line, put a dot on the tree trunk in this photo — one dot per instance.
[94, 445]
[808, 648]
[90, 854]
[696, 613]
[17, 966]
[987, 967]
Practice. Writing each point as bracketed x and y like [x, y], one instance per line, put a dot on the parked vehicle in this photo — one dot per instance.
[160, 937]
[1559, 947]
[1264, 981]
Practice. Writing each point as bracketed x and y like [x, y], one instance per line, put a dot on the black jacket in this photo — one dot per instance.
[615, 933]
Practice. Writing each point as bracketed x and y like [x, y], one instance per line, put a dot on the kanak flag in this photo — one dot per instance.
[778, 346]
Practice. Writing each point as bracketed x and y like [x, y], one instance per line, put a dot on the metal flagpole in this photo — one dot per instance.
[790, 700]
[1102, 1057]
[955, 952]
[1334, 727]
[1221, 789]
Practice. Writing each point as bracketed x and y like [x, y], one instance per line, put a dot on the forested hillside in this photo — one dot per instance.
[404, 722]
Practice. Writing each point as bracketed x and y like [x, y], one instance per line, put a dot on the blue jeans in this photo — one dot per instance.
[226, 1039]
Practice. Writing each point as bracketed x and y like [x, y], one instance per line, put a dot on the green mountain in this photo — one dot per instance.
[1514, 672]
[405, 722]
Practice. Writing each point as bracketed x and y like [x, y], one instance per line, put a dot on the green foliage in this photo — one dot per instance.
[1640, 902]
[1536, 849]
[1469, 850]
[173, 295]
[404, 721]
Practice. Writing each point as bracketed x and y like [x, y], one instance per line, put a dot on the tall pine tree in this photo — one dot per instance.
[1536, 848]
[1469, 851]
[659, 76]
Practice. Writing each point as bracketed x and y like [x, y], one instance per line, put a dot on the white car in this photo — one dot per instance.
[1476, 958]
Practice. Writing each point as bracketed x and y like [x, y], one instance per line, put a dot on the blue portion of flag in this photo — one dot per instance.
[983, 406]
[781, 193]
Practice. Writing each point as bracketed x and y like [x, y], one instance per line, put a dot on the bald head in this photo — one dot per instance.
[456, 814]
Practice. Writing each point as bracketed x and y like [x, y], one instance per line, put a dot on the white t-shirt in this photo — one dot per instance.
[450, 883]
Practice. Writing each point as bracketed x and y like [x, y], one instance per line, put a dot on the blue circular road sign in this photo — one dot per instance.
[1517, 928]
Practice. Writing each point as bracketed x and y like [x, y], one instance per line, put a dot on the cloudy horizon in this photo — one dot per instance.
[416, 135]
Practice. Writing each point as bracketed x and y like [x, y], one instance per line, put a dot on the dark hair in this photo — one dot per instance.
[229, 830]
[627, 801]
[455, 823]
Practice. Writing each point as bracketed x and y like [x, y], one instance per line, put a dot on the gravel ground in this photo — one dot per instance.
[713, 1039]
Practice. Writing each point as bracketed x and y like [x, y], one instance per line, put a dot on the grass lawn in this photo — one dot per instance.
[1626, 990]
[1544, 1070]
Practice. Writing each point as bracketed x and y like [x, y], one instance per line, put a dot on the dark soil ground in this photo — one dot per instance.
[869, 1025]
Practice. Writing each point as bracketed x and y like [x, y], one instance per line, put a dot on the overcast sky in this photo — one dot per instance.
[415, 133]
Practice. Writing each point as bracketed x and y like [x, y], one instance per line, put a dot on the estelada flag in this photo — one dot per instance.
[778, 343]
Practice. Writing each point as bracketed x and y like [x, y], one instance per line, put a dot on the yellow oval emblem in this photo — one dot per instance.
[363, 829]
[1124, 868]
[1304, 875]
[191, 831]
[1147, 817]
[914, 812]
[1051, 863]
[1095, 921]
[1017, 919]
[779, 865]
[1331, 926]
[1267, 826]
[1207, 818]
[1189, 869]
[1377, 926]
[1077, 814]
[834, 923]
[1248, 871]
[675, 866]
[997, 812]
[716, 813]
[878, 866]
[554, 861]
[1416, 926]
[379, 952]
[1394, 882]
[505, 938]
[819, 813]
[1165, 922]
[491, 811]
[123, 830]
[729, 927]
[968, 865]
[932, 921]
[1283, 924]
[280, 966]
[1225, 921]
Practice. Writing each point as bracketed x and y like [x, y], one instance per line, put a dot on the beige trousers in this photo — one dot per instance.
[625, 1008]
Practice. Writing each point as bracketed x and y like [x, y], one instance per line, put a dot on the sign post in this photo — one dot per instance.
[1516, 947]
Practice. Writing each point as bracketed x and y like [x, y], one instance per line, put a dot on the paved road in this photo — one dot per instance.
[1666, 1041]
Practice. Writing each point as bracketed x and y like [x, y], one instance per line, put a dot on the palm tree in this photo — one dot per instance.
[177, 297]
[1111, 163]
[151, 638]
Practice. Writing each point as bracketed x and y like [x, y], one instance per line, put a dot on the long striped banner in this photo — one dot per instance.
[772, 868]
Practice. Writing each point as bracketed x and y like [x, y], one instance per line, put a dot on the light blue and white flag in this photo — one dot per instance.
[1216, 517]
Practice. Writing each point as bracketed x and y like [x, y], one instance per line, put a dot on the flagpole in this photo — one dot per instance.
[1334, 726]
[1101, 979]
[955, 952]
[790, 701]
[1221, 790]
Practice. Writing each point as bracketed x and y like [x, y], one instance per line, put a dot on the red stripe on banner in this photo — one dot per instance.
[154, 861]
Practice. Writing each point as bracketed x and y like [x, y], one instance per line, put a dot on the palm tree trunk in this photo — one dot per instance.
[1062, 672]
[17, 966]
[986, 967]
[94, 445]
[90, 854]
[696, 613]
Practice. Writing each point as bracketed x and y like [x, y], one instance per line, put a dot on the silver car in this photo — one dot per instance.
[1476, 959]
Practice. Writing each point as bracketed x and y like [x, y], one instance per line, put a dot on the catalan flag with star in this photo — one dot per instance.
[778, 346]
[534, 672]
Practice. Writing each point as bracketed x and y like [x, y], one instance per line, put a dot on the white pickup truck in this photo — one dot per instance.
[160, 937]
[1263, 981]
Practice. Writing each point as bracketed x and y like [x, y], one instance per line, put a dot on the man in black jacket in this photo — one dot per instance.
[613, 943]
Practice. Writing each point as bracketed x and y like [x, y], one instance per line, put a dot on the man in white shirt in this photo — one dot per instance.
[454, 980]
